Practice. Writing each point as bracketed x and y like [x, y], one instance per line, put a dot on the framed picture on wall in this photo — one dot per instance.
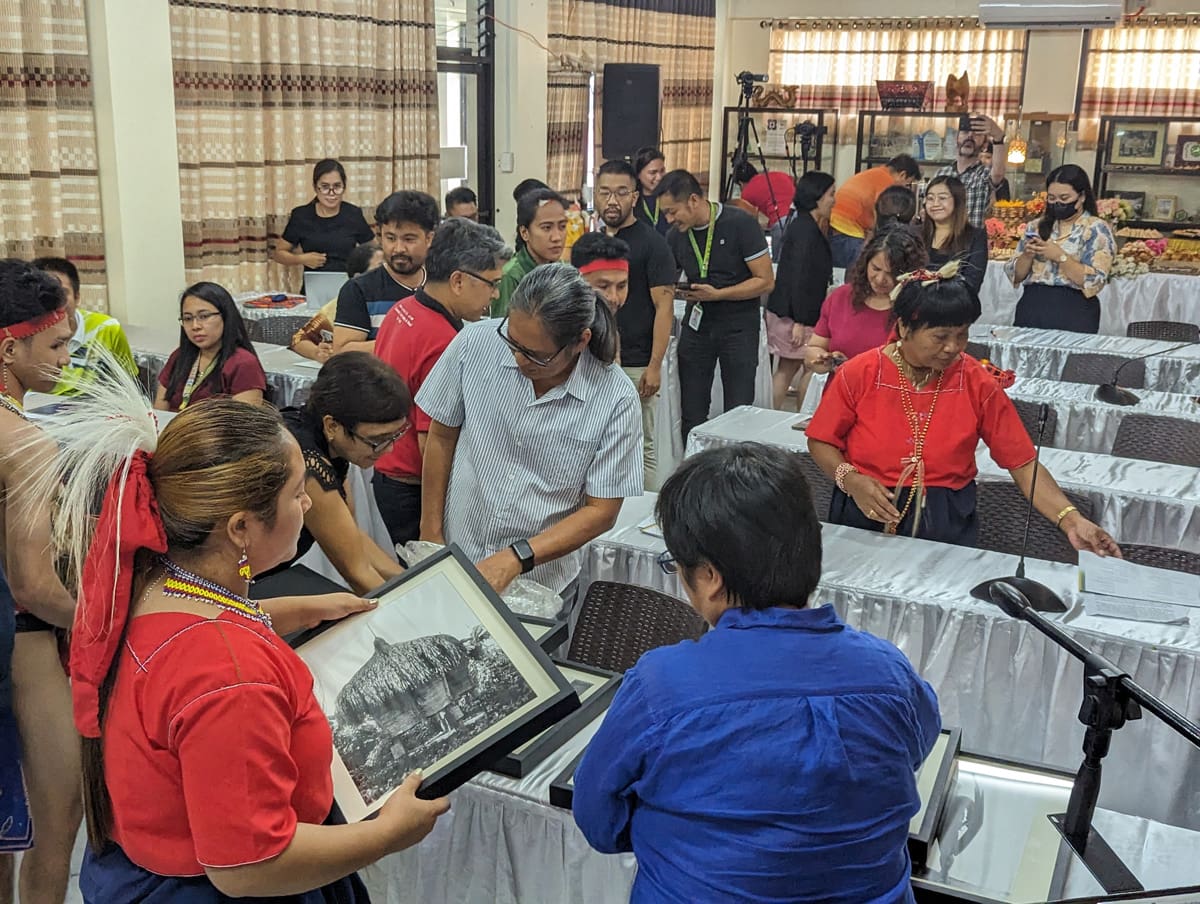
[1164, 207]
[1138, 143]
[1136, 199]
[1187, 151]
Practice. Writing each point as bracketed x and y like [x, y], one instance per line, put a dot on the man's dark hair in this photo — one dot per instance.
[617, 168]
[60, 265]
[26, 292]
[357, 388]
[904, 163]
[722, 506]
[359, 259]
[408, 207]
[462, 244]
[525, 186]
[460, 195]
[679, 185]
[597, 246]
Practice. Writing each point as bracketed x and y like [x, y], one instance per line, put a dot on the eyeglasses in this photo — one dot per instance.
[378, 445]
[603, 194]
[493, 284]
[202, 318]
[331, 189]
[531, 357]
[667, 562]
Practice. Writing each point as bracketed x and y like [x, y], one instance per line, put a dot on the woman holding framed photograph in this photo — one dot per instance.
[206, 759]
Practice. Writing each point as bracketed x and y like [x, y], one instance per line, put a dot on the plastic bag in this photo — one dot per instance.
[523, 596]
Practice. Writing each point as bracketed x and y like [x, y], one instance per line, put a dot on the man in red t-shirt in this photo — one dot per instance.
[463, 275]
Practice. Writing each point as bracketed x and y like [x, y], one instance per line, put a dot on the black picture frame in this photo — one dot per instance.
[935, 778]
[548, 633]
[1136, 198]
[522, 760]
[421, 688]
[562, 789]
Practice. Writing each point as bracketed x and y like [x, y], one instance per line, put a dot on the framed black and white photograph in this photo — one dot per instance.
[549, 633]
[1138, 143]
[440, 677]
[562, 789]
[595, 688]
[934, 780]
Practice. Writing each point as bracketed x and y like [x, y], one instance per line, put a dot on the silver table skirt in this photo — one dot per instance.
[1143, 502]
[1014, 693]
[1153, 296]
[305, 309]
[1043, 353]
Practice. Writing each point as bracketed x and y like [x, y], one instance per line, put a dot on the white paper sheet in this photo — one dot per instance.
[1108, 576]
[1133, 610]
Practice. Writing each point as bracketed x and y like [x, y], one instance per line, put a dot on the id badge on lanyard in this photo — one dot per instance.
[702, 261]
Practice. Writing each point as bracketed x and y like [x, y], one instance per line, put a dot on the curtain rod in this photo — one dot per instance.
[870, 24]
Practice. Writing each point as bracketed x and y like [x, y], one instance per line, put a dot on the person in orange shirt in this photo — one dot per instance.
[853, 212]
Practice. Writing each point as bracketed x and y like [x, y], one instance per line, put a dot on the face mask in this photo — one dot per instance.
[1061, 211]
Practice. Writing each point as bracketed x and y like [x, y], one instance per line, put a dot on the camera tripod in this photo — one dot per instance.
[741, 149]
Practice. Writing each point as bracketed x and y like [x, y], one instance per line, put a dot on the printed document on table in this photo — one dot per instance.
[1108, 576]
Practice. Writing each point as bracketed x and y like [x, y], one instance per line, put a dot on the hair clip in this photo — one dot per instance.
[948, 270]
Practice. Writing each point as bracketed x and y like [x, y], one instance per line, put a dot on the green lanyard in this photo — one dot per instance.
[652, 217]
[712, 227]
[194, 380]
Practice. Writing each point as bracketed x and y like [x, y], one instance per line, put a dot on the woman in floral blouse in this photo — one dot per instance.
[1063, 262]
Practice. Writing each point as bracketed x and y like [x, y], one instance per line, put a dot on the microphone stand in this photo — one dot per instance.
[1115, 395]
[1110, 699]
[1041, 597]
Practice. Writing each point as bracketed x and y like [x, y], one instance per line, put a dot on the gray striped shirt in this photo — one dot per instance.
[522, 463]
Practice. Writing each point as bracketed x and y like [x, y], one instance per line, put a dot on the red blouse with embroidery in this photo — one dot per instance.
[861, 413]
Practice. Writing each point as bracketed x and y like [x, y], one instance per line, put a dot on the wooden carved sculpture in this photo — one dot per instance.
[958, 93]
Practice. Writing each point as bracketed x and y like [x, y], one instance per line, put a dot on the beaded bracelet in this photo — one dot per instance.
[1063, 514]
[839, 476]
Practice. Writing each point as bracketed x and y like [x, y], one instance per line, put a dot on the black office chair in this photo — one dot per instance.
[1094, 368]
[1028, 412]
[979, 350]
[619, 622]
[1166, 330]
[819, 486]
[1150, 437]
[277, 330]
[1161, 557]
[1001, 509]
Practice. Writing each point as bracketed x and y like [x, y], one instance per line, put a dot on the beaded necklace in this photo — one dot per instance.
[183, 584]
[915, 463]
[8, 403]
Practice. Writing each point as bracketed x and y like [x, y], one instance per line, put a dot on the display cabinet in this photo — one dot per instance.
[1041, 142]
[931, 138]
[1154, 163]
[780, 135]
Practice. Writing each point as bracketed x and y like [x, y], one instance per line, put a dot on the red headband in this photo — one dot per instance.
[32, 327]
[601, 264]
[129, 521]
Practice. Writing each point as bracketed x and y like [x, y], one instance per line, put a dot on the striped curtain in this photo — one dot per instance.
[567, 100]
[264, 89]
[1147, 67]
[50, 204]
[676, 35]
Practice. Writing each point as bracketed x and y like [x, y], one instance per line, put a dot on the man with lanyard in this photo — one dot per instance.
[463, 275]
[34, 338]
[646, 319]
[724, 256]
[406, 221]
[979, 180]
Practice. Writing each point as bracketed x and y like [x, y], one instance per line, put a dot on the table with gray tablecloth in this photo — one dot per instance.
[304, 309]
[1043, 353]
[1014, 693]
[1151, 296]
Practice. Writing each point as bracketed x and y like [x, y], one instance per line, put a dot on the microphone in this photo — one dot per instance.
[1113, 394]
[1037, 596]
[1011, 600]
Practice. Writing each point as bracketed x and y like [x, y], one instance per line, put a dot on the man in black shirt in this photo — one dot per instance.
[724, 256]
[462, 202]
[406, 221]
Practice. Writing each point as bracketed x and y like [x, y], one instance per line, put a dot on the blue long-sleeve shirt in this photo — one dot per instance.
[772, 760]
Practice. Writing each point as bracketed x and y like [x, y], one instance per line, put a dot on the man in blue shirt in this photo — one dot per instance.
[772, 760]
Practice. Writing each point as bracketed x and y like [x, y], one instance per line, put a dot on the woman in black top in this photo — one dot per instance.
[321, 233]
[947, 234]
[356, 410]
[805, 269]
[650, 166]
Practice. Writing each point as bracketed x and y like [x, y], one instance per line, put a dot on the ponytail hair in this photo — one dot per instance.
[567, 305]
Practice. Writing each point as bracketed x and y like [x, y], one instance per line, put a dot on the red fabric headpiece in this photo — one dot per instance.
[31, 327]
[129, 521]
[615, 264]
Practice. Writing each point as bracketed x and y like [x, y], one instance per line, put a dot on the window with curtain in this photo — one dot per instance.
[1146, 67]
[835, 63]
[51, 199]
[263, 92]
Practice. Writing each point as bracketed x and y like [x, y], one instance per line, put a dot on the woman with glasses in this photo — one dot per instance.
[1063, 259]
[322, 233]
[356, 411]
[215, 356]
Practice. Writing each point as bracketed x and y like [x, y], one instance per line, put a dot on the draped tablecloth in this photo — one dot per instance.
[1014, 693]
[1152, 296]
[304, 309]
[1144, 502]
[1043, 353]
[763, 390]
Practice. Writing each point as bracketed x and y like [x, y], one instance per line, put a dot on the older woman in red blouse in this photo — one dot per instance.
[898, 426]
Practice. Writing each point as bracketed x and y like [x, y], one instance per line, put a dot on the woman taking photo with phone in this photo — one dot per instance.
[1063, 259]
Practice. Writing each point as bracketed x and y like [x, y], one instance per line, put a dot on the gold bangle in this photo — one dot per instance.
[1063, 514]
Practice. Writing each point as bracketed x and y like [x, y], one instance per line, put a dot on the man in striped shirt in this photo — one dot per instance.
[536, 435]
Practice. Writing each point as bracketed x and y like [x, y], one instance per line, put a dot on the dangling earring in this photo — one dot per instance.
[244, 568]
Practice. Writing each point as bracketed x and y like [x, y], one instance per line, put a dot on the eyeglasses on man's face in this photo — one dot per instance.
[493, 284]
[202, 318]
[379, 445]
[326, 188]
[621, 194]
[667, 562]
[531, 356]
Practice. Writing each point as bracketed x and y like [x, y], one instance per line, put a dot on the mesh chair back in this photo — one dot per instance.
[1002, 508]
[1153, 438]
[819, 485]
[978, 350]
[277, 330]
[1166, 330]
[619, 622]
[1090, 367]
[1159, 557]
[1028, 412]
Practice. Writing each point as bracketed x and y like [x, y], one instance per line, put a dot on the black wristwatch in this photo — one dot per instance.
[524, 553]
